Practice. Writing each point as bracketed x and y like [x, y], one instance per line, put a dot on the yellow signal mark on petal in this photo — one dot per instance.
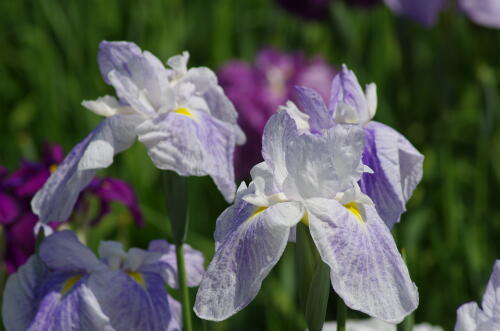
[183, 111]
[257, 211]
[137, 277]
[353, 208]
[305, 219]
[69, 283]
[52, 168]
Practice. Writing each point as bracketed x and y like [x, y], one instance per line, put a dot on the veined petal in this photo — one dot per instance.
[19, 310]
[115, 56]
[482, 12]
[162, 260]
[63, 251]
[244, 258]
[311, 102]
[346, 93]
[132, 302]
[323, 165]
[176, 313]
[367, 270]
[192, 145]
[56, 199]
[397, 167]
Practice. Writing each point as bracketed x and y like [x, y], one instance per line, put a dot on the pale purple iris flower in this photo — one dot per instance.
[258, 89]
[67, 287]
[482, 12]
[18, 188]
[310, 173]
[396, 164]
[471, 317]
[182, 116]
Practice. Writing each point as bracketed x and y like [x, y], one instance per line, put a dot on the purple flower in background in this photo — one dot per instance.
[68, 288]
[257, 91]
[182, 116]
[17, 190]
[482, 12]
[425, 12]
[318, 9]
[470, 317]
[310, 174]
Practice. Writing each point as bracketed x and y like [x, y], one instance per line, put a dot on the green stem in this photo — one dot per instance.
[181, 272]
[341, 314]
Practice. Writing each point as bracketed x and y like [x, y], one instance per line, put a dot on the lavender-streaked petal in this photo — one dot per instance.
[347, 99]
[195, 145]
[115, 56]
[311, 103]
[56, 199]
[366, 269]
[244, 258]
[424, 12]
[397, 167]
[176, 313]
[64, 252]
[163, 261]
[132, 301]
[19, 310]
[482, 12]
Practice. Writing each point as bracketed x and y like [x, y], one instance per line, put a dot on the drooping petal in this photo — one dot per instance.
[65, 303]
[311, 102]
[367, 270]
[63, 251]
[163, 261]
[175, 312]
[133, 301]
[192, 145]
[244, 258]
[397, 169]
[482, 12]
[20, 308]
[347, 100]
[323, 165]
[424, 12]
[56, 199]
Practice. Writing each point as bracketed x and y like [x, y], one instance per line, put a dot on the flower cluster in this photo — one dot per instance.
[257, 91]
[18, 188]
[67, 288]
[338, 173]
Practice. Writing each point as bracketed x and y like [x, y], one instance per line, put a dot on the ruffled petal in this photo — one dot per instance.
[245, 257]
[397, 169]
[56, 199]
[162, 260]
[366, 268]
[469, 316]
[311, 102]
[323, 165]
[192, 145]
[133, 301]
[19, 310]
[63, 251]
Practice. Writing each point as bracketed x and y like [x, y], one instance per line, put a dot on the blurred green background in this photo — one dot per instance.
[438, 86]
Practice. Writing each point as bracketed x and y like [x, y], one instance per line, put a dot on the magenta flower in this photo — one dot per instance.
[18, 188]
[318, 9]
[257, 90]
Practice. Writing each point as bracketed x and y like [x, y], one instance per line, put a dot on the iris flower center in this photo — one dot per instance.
[353, 208]
[137, 277]
[183, 111]
[69, 283]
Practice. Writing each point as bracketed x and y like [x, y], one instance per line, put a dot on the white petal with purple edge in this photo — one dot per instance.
[311, 103]
[244, 258]
[56, 199]
[192, 145]
[397, 167]
[366, 269]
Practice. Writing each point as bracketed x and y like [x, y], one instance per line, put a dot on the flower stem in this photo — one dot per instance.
[341, 314]
[181, 272]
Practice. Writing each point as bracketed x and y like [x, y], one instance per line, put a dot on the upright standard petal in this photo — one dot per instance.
[246, 255]
[56, 199]
[347, 100]
[397, 169]
[424, 12]
[482, 12]
[192, 144]
[19, 310]
[366, 268]
[311, 102]
[63, 251]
